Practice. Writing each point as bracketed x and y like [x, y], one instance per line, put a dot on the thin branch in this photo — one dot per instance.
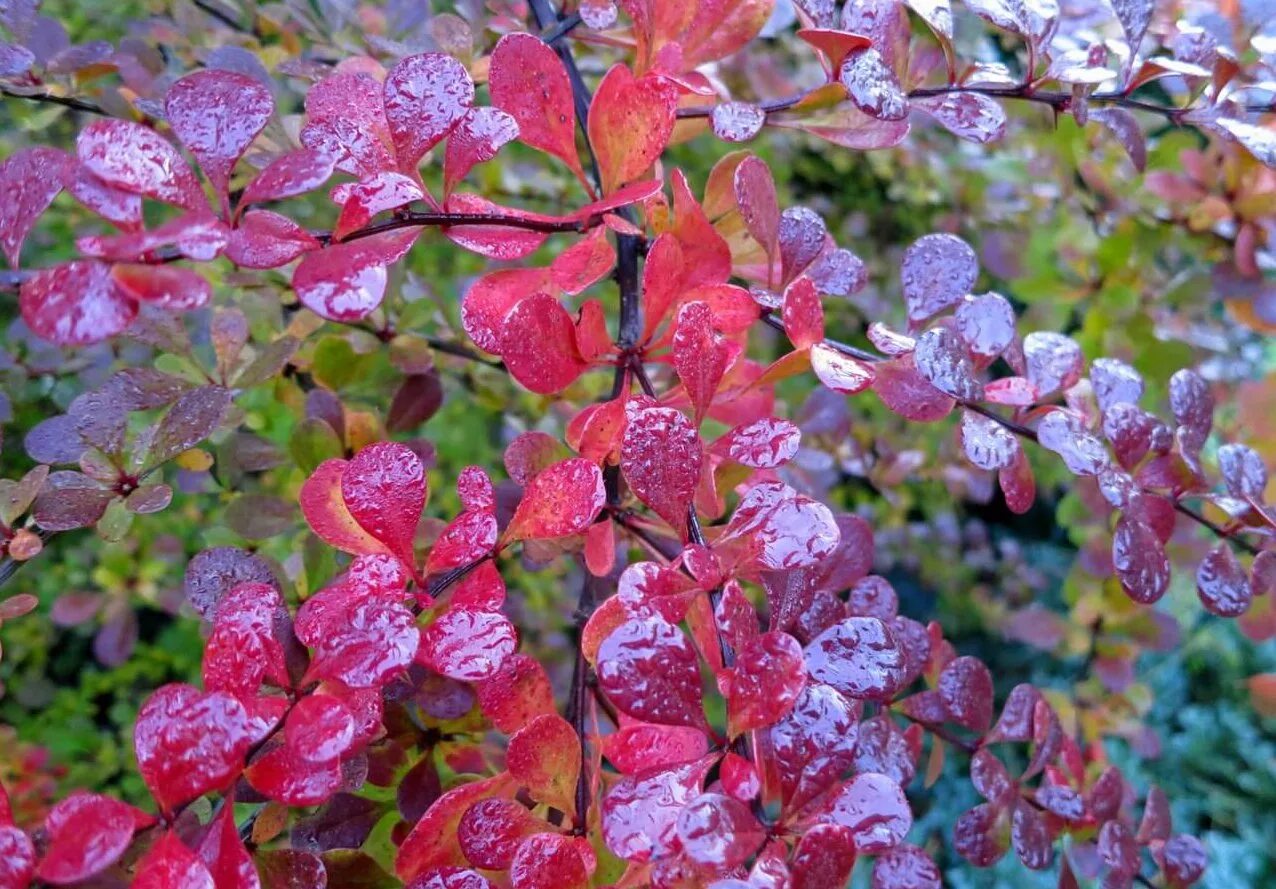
[943, 733]
[1059, 101]
[50, 99]
[221, 15]
[560, 29]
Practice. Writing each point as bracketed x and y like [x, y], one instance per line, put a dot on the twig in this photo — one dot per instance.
[50, 99]
[221, 15]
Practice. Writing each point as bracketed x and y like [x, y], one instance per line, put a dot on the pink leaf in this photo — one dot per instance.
[516, 693]
[288, 175]
[965, 685]
[1140, 560]
[762, 444]
[267, 240]
[75, 304]
[426, 95]
[584, 263]
[346, 282]
[29, 181]
[970, 116]
[841, 372]
[167, 286]
[216, 115]
[371, 195]
[905, 867]
[755, 194]
[719, 830]
[640, 813]
[319, 729]
[700, 355]
[281, 774]
[136, 159]
[358, 639]
[803, 314]
[347, 122]
[475, 140]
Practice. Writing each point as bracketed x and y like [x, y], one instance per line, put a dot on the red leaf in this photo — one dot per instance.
[705, 253]
[560, 501]
[347, 122]
[491, 831]
[384, 488]
[216, 115]
[468, 644]
[288, 175]
[319, 729]
[121, 208]
[167, 286]
[875, 810]
[528, 81]
[859, 657]
[1222, 583]
[650, 671]
[908, 393]
[661, 458]
[905, 867]
[584, 263]
[345, 282]
[966, 688]
[548, 861]
[450, 878]
[29, 181]
[544, 757]
[432, 842]
[475, 140]
[516, 693]
[1018, 485]
[467, 538]
[937, 271]
[189, 743]
[538, 343]
[755, 194]
[225, 856]
[266, 240]
[75, 304]
[326, 512]
[426, 95]
[281, 774]
[803, 314]
[824, 857]
[762, 444]
[359, 640]
[768, 677]
[87, 833]
[775, 528]
[373, 194]
[639, 814]
[530, 453]
[662, 281]
[841, 372]
[640, 746]
[250, 627]
[630, 122]
[700, 355]
[719, 830]
[136, 159]
[814, 744]
[170, 865]
[490, 299]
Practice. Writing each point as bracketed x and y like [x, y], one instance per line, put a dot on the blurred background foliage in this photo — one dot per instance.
[1064, 228]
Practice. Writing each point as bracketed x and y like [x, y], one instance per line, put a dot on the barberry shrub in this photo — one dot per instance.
[748, 704]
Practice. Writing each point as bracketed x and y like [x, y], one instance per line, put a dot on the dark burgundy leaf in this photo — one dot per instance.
[1222, 583]
[29, 181]
[874, 809]
[719, 830]
[905, 867]
[824, 857]
[859, 657]
[768, 677]
[966, 688]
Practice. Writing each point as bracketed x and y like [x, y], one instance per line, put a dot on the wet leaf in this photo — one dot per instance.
[216, 115]
[544, 757]
[661, 457]
[859, 657]
[1222, 583]
[767, 679]
[468, 644]
[426, 95]
[649, 670]
[538, 343]
[936, 272]
[630, 122]
[29, 181]
[136, 159]
[528, 82]
[874, 809]
[76, 304]
[561, 500]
